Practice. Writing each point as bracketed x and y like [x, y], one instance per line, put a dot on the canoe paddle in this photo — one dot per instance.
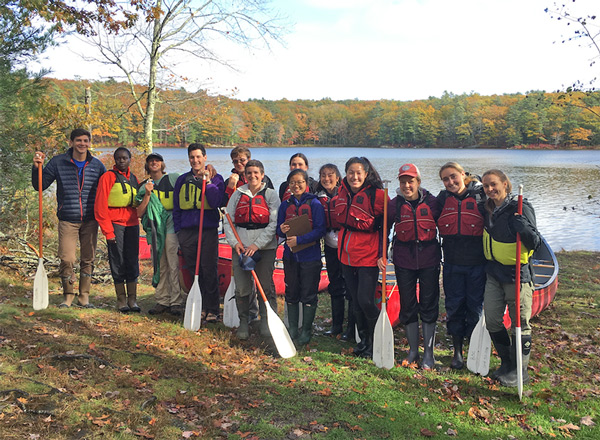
[383, 337]
[193, 305]
[40, 282]
[480, 349]
[230, 312]
[518, 302]
[279, 333]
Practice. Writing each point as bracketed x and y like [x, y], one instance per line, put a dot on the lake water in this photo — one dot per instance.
[563, 186]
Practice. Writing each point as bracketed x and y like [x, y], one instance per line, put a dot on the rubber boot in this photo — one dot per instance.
[349, 334]
[337, 316]
[68, 293]
[501, 341]
[457, 360]
[293, 315]
[243, 308]
[361, 325]
[368, 352]
[263, 326]
[132, 297]
[428, 344]
[85, 284]
[121, 298]
[308, 316]
[412, 335]
[510, 379]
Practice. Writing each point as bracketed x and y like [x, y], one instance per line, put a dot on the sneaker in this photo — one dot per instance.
[211, 317]
[87, 306]
[63, 306]
[158, 309]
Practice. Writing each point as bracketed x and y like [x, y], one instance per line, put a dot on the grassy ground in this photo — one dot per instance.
[87, 374]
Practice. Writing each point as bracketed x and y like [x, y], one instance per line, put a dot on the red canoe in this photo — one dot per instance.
[544, 263]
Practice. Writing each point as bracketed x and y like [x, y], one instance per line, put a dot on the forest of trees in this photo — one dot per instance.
[537, 119]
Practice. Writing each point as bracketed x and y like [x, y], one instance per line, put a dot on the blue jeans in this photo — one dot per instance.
[463, 288]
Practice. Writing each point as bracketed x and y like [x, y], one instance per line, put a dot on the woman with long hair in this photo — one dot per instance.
[461, 228]
[502, 224]
[359, 212]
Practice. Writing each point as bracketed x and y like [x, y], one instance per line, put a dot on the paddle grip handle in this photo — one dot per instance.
[237, 237]
[518, 264]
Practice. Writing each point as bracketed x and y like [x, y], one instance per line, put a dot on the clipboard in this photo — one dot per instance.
[299, 226]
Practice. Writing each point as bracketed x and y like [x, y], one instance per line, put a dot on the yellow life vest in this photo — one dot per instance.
[190, 194]
[503, 253]
[164, 192]
[123, 191]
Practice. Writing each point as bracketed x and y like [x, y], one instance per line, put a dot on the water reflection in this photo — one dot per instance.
[563, 186]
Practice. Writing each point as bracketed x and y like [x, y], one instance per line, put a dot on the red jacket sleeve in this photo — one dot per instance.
[101, 211]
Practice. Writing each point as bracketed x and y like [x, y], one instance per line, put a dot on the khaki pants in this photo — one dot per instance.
[168, 292]
[68, 235]
[497, 296]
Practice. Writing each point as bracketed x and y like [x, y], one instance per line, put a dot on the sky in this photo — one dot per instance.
[390, 49]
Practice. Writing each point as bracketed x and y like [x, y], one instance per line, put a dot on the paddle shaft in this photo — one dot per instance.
[518, 265]
[201, 224]
[41, 220]
[385, 235]
[237, 237]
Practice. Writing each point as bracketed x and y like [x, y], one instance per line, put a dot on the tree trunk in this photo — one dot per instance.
[152, 95]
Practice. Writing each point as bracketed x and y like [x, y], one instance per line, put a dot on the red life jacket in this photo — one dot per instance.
[295, 211]
[414, 224]
[460, 217]
[357, 213]
[329, 207]
[252, 212]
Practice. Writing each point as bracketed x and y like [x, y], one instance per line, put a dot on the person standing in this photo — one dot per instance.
[330, 180]
[502, 224]
[302, 269]
[186, 221]
[461, 228]
[253, 208]
[416, 256]
[359, 212]
[117, 216]
[155, 208]
[76, 173]
[240, 157]
[297, 161]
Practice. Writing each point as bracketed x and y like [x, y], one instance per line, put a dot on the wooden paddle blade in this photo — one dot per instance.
[193, 308]
[480, 349]
[383, 341]
[281, 337]
[519, 362]
[40, 287]
[230, 312]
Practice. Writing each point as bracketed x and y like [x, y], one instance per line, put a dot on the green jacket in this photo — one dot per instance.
[154, 222]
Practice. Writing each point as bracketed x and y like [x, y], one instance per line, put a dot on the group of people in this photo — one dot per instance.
[471, 225]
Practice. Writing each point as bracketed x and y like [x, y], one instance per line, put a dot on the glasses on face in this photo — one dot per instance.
[240, 161]
[297, 183]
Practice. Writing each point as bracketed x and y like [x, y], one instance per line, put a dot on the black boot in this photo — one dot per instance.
[501, 341]
[337, 316]
[510, 379]
[368, 352]
[293, 317]
[457, 361]
[428, 344]
[361, 325]
[412, 335]
[350, 333]
[308, 316]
